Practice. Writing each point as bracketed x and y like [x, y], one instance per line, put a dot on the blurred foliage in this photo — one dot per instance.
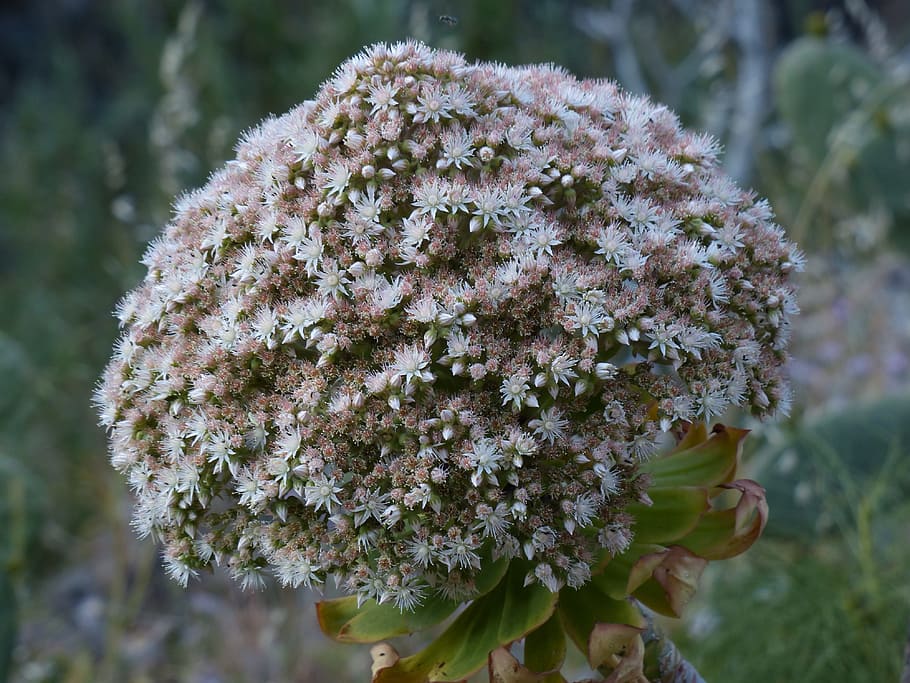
[818, 468]
[107, 110]
[850, 119]
[828, 607]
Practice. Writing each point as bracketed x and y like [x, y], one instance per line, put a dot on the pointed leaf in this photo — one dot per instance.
[673, 513]
[384, 656]
[580, 610]
[342, 620]
[613, 577]
[545, 647]
[696, 433]
[709, 463]
[609, 643]
[666, 581]
[502, 616]
[722, 534]
[504, 668]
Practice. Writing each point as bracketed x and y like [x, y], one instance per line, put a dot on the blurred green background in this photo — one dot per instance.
[108, 109]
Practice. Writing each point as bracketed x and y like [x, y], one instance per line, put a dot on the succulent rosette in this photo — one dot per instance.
[427, 335]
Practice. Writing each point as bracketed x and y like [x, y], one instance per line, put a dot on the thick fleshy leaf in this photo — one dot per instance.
[580, 610]
[384, 656]
[545, 648]
[618, 648]
[722, 534]
[667, 580]
[704, 463]
[504, 615]
[694, 434]
[342, 620]
[503, 667]
[673, 513]
[613, 577]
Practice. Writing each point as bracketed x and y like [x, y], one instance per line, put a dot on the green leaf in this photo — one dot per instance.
[722, 534]
[710, 463]
[613, 577]
[545, 647]
[667, 580]
[502, 616]
[674, 512]
[342, 620]
[580, 610]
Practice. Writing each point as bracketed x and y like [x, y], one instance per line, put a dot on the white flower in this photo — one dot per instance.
[717, 289]
[560, 369]
[485, 458]
[306, 146]
[422, 552]
[459, 553]
[387, 295]
[289, 442]
[515, 389]
[382, 95]
[246, 264]
[588, 319]
[612, 243]
[302, 314]
[331, 281]
[488, 207]
[406, 595]
[249, 488]
[565, 286]
[605, 371]
[609, 479]
[294, 232]
[616, 538]
[322, 493]
[411, 363]
[368, 206]
[544, 574]
[492, 521]
[663, 337]
[416, 228]
[550, 425]
[309, 250]
[543, 238]
[710, 400]
[265, 326]
[585, 509]
[432, 104]
[430, 197]
[337, 179]
[360, 231]
[456, 149]
[296, 570]
[371, 505]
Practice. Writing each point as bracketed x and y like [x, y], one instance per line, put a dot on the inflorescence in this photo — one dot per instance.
[435, 317]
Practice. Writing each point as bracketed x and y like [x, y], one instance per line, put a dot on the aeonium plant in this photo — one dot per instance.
[450, 335]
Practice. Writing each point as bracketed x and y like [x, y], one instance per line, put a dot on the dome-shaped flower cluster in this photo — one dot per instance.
[437, 316]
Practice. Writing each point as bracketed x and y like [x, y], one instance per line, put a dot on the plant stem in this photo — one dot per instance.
[663, 661]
